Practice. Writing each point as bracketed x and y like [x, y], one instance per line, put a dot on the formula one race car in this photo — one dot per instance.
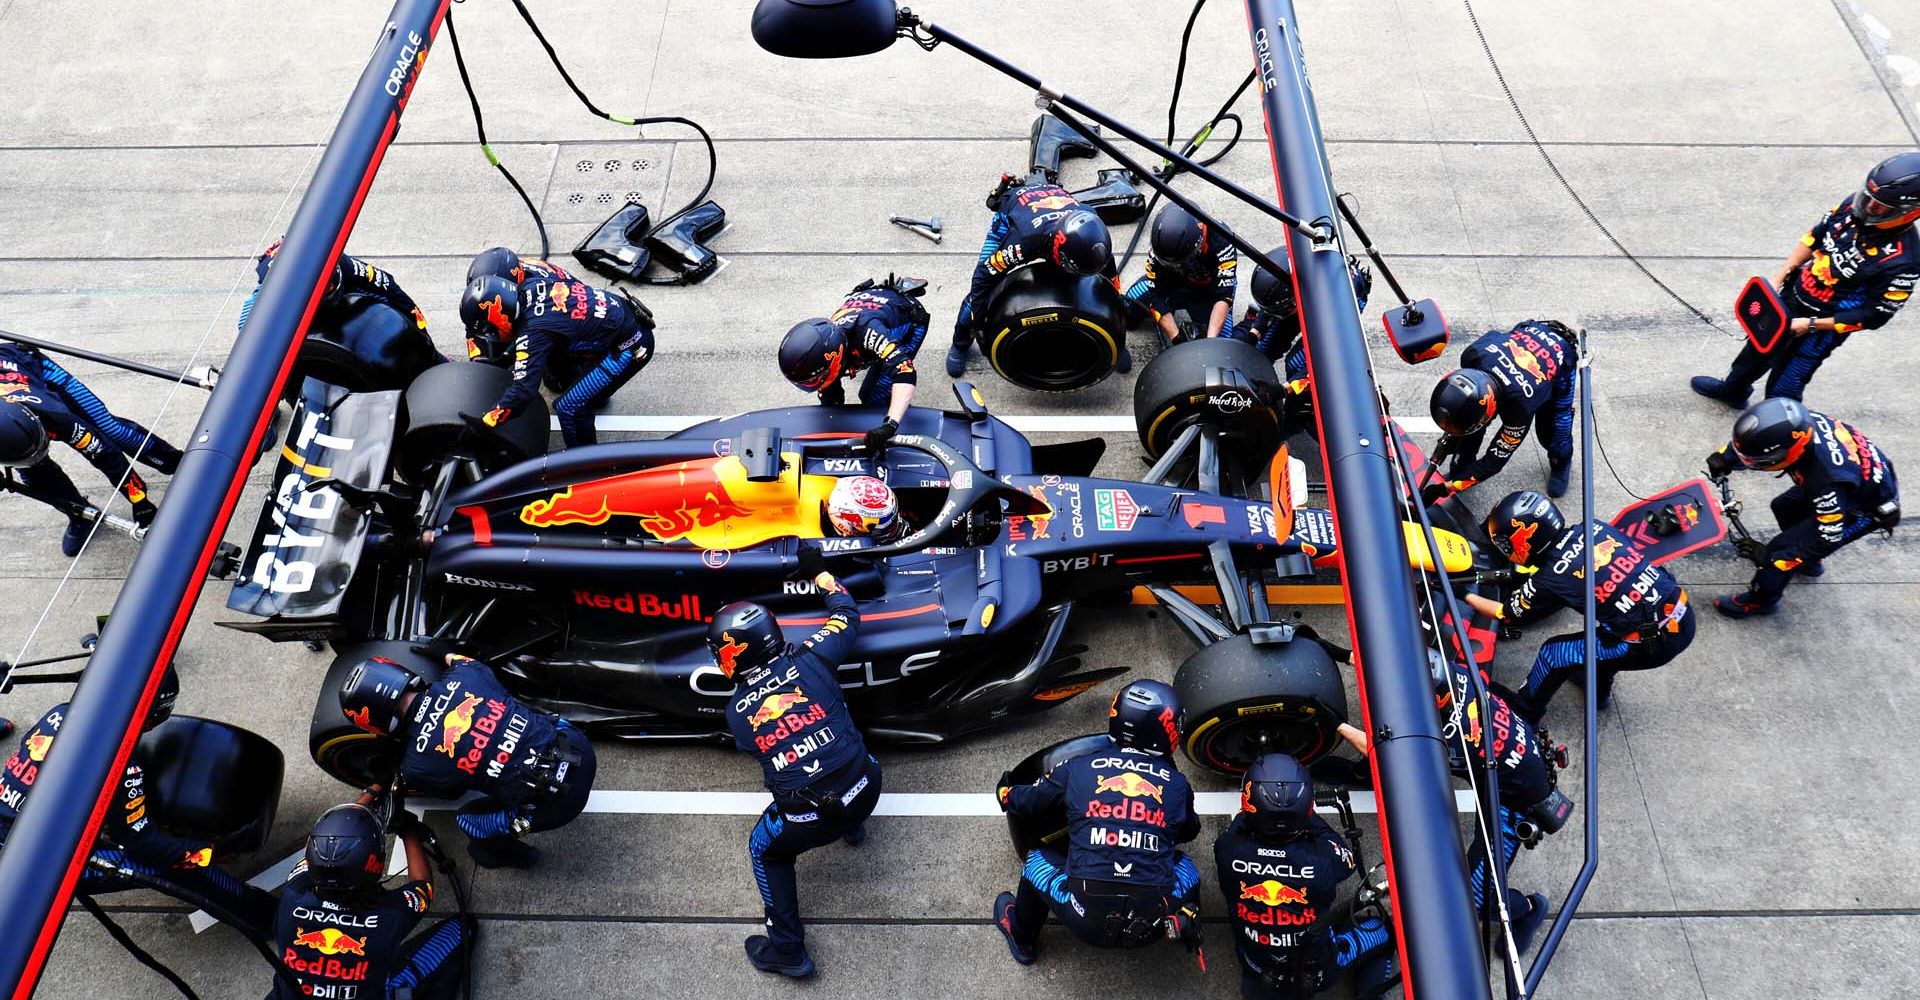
[401, 528]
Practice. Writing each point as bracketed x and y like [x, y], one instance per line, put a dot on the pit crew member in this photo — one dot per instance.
[877, 329]
[1523, 376]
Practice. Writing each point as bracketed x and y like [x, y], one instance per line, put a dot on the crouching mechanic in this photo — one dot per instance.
[1191, 267]
[1852, 271]
[1843, 488]
[1033, 224]
[464, 733]
[1281, 867]
[1120, 883]
[338, 933]
[132, 850]
[547, 320]
[1524, 375]
[787, 710]
[878, 329]
[351, 276]
[500, 262]
[29, 424]
[1645, 619]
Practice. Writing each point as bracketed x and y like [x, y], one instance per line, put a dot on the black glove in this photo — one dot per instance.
[1721, 463]
[144, 512]
[1752, 550]
[1434, 492]
[879, 436]
[833, 395]
[812, 562]
[1002, 787]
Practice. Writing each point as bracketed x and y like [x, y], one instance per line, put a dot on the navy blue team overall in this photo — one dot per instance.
[533, 770]
[360, 949]
[1645, 619]
[791, 716]
[133, 852]
[1169, 287]
[1025, 221]
[1525, 780]
[1532, 367]
[1126, 810]
[584, 329]
[1282, 896]
[73, 415]
[1858, 283]
[884, 331]
[1843, 489]
[351, 276]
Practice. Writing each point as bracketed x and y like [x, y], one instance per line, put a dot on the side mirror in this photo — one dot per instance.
[824, 29]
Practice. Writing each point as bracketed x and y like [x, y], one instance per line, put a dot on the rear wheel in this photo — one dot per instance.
[435, 405]
[212, 781]
[1053, 332]
[1244, 700]
[344, 750]
[1215, 382]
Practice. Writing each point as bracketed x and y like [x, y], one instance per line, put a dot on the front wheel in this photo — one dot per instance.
[1244, 700]
[1046, 330]
[1215, 382]
[437, 404]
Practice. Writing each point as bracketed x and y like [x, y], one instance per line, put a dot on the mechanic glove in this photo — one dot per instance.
[1434, 492]
[833, 395]
[812, 562]
[1720, 464]
[879, 436]
[419, 318]
[455, 659]
[495, 417]
[1752, 550]
[1002, 787]
[201, 858]
[144, 512]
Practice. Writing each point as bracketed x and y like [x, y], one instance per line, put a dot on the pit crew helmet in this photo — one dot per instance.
[375, 694]
[1276, 797]
[1772, 434]
[346, 852]
[744, 637]
[1146, 715]
[489, 309]
[1522, 524]
[498, 262]
[1081, 244]
[1463, 403]
[23, 439]
[813, 353]
[1890, 197]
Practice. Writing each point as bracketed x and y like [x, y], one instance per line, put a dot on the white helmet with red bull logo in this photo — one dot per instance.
[863, 505]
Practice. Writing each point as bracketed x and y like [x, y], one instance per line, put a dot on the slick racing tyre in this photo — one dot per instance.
[364, 345]
[211, 781]
[1244, 700]
[435, 427]
[344, 750]
[1214, 382]
[1030, 832]
[1046, 330]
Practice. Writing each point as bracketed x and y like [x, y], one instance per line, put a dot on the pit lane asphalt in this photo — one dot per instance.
[1756, 843]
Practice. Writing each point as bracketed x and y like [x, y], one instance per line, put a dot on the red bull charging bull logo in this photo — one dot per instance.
[774, 706]
[671, 502]
[1273, 893]
[1527, 361]
[37, 746]
[1129, 784]
[457, 723]
[331, 941]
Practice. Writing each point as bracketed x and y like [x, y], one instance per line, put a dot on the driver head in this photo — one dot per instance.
[813, 353]
[374, 698]
[744, 637]
[489, 309]
[1463, 403]
[1146, 715]
[862, 506]
[1522, 525]
[1080, 245]
[497, 262]
[23, 439]
[346, 852]
[1276, 797]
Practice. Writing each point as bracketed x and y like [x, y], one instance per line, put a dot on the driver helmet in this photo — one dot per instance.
[1146, 715]
[375, 694]
[813, 353]
[346, 852]
[1772, 434]
[1080, 245]
[863, 505]
[489, 310]
[23, 439]
[1890, 197]
[1463, 403]
[1523, 524]
[1276, 797]
[499, 262]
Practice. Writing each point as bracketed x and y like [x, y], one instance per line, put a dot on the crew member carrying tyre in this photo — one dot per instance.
[1120, 882]
[1523, 376]
[132, 851]
[787, 711]
[464, 733]
[338, 933]
[1033, 225]
[33, 414]
[1843, 488]
[1852, 271]
[1645, 619]
[351, 276]
[542, 321]
[1281, 867]
[877, 329]
[500, 262]
[1191, 268]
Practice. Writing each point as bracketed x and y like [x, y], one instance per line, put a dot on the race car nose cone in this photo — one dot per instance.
[823, 29]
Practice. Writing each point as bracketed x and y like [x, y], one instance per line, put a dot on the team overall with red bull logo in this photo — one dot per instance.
[884, 329]
[1532, 367]
[351, 276]
[1282, 891]
[604, 338]
[533, 770]
[358, 949]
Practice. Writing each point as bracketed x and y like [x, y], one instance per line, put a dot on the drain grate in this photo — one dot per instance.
[591, 181]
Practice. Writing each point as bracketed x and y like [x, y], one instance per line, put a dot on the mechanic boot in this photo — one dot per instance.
[1003, 919]
[75, 538]
[1743, 606]
[1125, 363]
[796, 964]
[1718, 389]
[957, 357]
[1557, 478]
[6, 727]
[1526, 925]
[856, 836]
[502, 852]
